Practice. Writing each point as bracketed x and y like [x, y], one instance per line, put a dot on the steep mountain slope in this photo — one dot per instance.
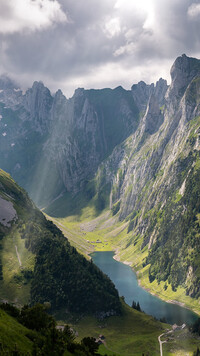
[39, 265]
[155, 181]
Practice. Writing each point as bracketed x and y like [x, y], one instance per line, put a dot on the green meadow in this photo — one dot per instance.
[133, 333]
[89, 231]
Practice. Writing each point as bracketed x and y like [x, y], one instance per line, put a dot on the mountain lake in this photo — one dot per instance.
[125, 281]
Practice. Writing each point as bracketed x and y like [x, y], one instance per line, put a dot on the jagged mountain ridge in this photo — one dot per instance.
[140, 146]
[45, 136]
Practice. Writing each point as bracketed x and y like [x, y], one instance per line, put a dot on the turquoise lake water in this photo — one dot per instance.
[126, 282]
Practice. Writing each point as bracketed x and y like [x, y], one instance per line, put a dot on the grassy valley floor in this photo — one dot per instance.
[88, 233]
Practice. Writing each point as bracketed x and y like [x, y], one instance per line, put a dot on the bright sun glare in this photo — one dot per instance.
[143, 7]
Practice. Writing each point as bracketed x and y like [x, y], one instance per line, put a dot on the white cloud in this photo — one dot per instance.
[108, 43]
[129, 48]
[130, 5]
[105, 76]
[20, 15]
[194, 11]
[142, 8]
[112, 27]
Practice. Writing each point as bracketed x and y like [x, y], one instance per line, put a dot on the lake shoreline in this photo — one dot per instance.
[126, 282]
[170, 301]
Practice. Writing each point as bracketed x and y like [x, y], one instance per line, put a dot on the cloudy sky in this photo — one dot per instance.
[95, 43]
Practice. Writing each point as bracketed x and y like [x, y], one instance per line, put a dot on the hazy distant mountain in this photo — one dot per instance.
[50, 144]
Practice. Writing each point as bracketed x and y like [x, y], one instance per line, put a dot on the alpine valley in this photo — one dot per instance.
[115, 170]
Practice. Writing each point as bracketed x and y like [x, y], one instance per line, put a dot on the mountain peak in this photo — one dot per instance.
[182, 72]
[79, 92]
[37, 84]
[185, 65]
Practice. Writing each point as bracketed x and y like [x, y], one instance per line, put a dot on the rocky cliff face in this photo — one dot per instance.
[70, 138]
[155, 176]
[87, 129]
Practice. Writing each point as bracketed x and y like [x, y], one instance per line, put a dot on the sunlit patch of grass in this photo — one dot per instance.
[11, 288]
[133, 333]
[181, 343]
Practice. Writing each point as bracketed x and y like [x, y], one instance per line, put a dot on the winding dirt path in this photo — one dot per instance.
[161, 342]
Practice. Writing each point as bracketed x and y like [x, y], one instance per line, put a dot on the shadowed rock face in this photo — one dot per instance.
[7, 212]
[50, 143]
[86, 130]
